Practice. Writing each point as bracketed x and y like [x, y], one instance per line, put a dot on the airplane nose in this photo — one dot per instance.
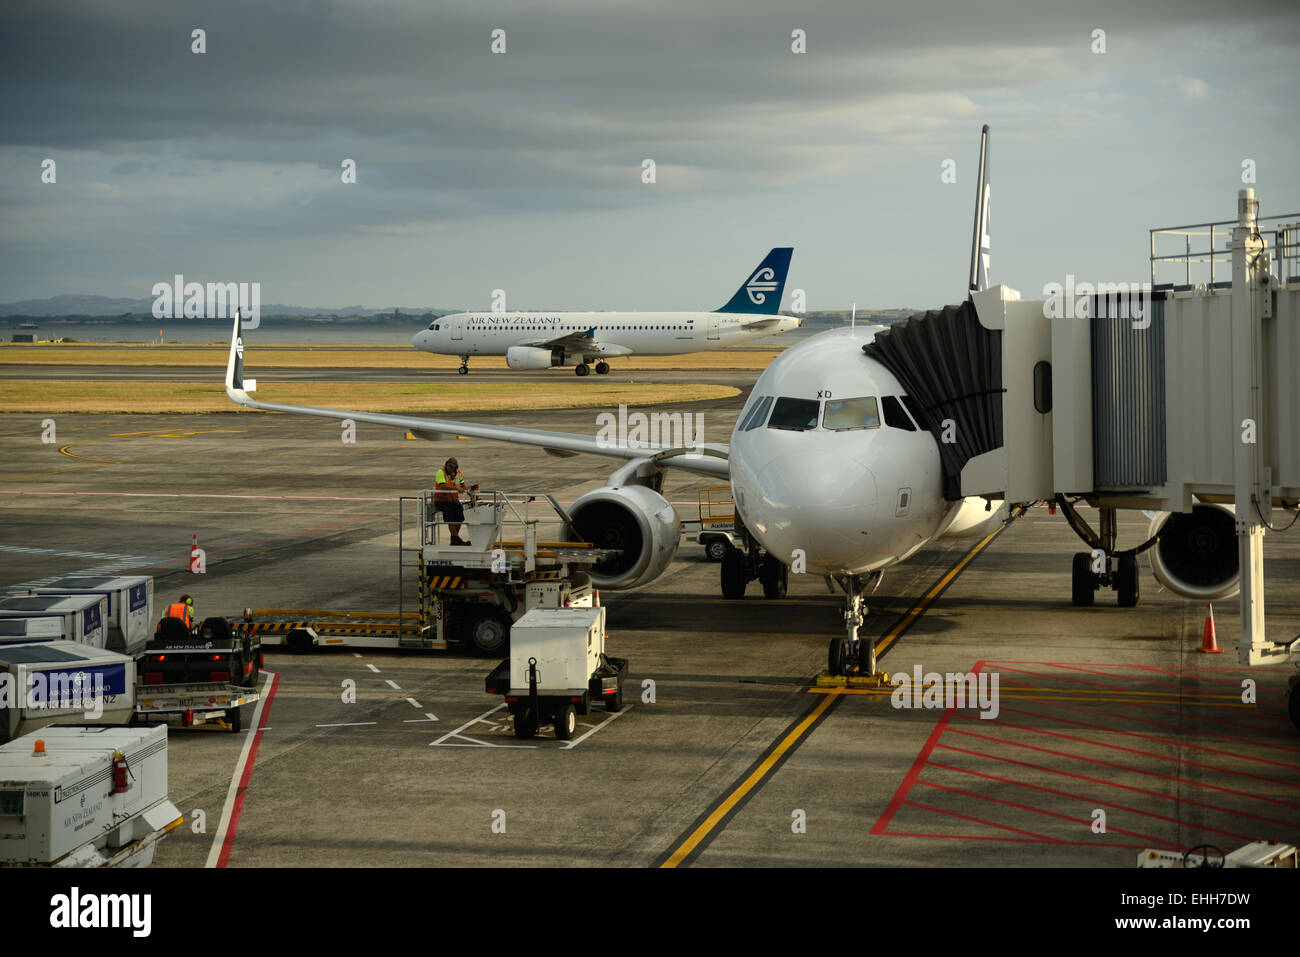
[820, 512]
[419, 339]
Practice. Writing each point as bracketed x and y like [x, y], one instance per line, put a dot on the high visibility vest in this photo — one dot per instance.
[179, 609]
[443, 490]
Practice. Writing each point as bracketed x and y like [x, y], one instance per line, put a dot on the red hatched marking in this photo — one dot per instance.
[1233, 807]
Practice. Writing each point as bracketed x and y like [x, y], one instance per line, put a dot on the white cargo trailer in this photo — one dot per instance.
[130, 605]
[24, 631]
[84, 617]
[63, 681]
[85, 797]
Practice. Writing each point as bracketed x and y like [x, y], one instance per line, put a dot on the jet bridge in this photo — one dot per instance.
[1180, 399]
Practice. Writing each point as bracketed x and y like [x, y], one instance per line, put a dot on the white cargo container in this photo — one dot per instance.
[130, 605]
[566, 643]
[50, 681]
[85, 617]
[24, 631]
[87, 797]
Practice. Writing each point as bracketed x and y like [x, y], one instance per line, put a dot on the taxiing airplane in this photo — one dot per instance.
[834, 465]
[541, 340]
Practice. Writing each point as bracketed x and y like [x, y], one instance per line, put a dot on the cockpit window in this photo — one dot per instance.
[757, 413]
[845, 414]
[796, 415]
[433, 326]
[895, 417]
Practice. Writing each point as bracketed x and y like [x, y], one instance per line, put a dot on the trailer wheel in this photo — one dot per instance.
[525, 723]
[566, 722]
[614, 702]
[715, 549]
[489, 633]
[236, 719]
[298, 641]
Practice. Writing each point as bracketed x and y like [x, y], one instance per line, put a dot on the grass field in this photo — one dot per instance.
[335, 357]
[51, 397]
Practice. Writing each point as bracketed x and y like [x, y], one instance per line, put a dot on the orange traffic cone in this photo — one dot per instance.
[1209, 645]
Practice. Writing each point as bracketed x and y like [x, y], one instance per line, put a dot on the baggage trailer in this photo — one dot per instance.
[51, 681]
[470, 594]
[84, 618]
[130, 618]
[556, 669]
[73, 796]
[715, 529]
[192, 678]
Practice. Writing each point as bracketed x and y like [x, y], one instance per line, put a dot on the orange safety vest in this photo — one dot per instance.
[444, 490]
[179, 609]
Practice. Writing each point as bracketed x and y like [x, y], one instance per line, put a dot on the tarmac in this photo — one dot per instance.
[1113, 733]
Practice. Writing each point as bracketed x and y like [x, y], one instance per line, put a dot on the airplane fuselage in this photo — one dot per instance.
[612, 333]
[827, 461]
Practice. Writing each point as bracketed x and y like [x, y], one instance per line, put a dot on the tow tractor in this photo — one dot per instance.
[715, 529]
[191, 678]
[556, 669]
[470, 594]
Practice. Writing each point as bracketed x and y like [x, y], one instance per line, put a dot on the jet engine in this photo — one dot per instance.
[1196, 556]
[528, 357]
[634, 519]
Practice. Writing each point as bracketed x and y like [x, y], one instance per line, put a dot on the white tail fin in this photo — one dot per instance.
[979, 244]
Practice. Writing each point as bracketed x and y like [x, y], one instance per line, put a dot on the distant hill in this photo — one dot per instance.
[91, 307]
[883, 317]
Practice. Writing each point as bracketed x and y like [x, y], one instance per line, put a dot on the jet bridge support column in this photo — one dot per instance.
[1252, 481]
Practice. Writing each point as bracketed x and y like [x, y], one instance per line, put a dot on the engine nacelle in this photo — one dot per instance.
[528, 357]
[635, 519]
[1196, 556]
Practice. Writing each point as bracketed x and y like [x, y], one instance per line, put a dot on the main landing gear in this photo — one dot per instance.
[854, 650]
[741, 566]
[602, 368]
[582, 370]
[464, 365]
[1104, 566]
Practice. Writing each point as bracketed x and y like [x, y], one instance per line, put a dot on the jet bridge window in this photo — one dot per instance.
[843, 415]
[796, 415]
[757, 413]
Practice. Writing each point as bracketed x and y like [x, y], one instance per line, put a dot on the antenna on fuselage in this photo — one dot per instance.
[853, 319]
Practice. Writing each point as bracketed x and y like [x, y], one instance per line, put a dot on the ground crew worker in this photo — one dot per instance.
[448, 483]
[183, 609]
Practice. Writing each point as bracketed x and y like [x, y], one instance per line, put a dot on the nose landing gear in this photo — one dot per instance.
[854, 653]
[464, 365]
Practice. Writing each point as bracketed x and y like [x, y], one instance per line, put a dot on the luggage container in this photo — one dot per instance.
[51, 681]
[24, 631]
[85, 797]
[130, 605]
[85, 617]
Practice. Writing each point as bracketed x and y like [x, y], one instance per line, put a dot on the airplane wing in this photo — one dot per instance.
[708, 459]
[583, 341]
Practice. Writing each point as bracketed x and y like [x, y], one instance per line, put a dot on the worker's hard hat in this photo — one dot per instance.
[187, 599]
[452, 464]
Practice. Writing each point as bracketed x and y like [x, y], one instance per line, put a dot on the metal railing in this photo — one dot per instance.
[1282, 241]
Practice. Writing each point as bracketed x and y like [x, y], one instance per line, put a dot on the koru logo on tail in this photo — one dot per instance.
[760, 284]
[239, 348]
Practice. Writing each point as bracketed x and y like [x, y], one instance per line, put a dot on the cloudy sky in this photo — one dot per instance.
[523, 170]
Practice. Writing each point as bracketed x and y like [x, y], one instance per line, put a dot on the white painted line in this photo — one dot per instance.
[356, 654]
[608, 721]
[414, 704]
[372, 667]
[417, 720]
[219, 838]
[392, 684]
[471, 721]
[431, 717]
[347, 724]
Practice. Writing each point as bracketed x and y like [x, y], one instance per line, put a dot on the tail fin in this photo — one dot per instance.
[979, 244]
[761, 293]
[237, 387]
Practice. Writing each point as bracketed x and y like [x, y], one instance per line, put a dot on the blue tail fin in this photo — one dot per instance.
[761, 293]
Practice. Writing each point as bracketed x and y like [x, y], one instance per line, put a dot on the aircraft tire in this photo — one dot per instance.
[1127, 585]
[734, 578]
[1083, 583]
[836, 654]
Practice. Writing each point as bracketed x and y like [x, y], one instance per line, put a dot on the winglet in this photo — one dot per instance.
[236, 387]
[979, 244]
[761, 293]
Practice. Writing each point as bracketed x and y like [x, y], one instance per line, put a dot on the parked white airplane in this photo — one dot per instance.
[832, 462]
[540, 340]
